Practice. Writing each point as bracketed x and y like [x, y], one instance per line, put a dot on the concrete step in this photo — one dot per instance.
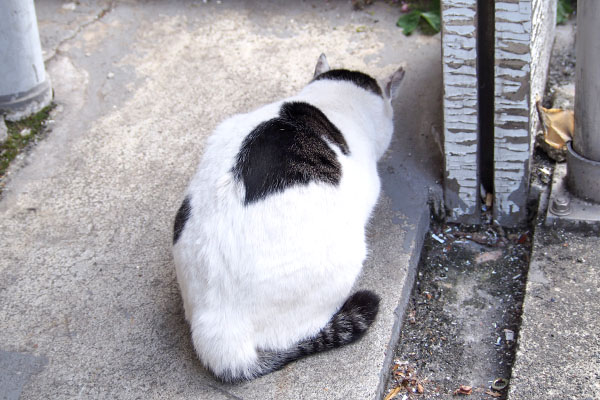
[90, 305]
[559, 347]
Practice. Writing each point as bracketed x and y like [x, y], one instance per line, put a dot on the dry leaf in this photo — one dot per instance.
[420, 388]
[523, 238]
[464, 390]
[489, 200]
[558, 125]
[393, 393]
[480, 238]
[488, 256]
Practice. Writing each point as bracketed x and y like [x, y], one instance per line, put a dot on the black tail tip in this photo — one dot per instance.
[364, 302]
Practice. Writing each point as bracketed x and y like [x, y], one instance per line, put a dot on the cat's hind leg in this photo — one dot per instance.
[347, 325]
[224, 345]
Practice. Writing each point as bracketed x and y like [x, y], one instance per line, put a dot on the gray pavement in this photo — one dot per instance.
[558, 355]
[559, 343]
[89, 306]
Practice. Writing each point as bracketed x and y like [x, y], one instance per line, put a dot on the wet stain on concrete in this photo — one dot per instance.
[16, 369]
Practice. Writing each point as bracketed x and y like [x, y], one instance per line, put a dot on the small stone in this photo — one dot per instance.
[110, 75]
[69, 6]
[25, 132]
[3, 130]
[545, 174]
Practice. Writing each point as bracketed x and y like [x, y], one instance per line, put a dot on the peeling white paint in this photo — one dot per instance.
[460, 107]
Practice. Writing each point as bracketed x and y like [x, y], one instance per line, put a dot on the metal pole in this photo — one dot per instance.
[587, 102]
[24, 86]
[583, 156]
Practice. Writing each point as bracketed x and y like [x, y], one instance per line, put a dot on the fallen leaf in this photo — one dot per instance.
[393, 393]
[463, 390]
[489, 200]
[523, 238]
[420, 389]
[558, 125]
[488, 256]
[480, 238]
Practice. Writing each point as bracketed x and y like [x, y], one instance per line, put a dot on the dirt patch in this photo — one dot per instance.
[461, 324]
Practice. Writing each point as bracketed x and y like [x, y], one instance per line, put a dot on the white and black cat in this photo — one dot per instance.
[271, 235]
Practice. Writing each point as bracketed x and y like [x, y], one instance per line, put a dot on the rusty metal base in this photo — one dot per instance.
[567, 211]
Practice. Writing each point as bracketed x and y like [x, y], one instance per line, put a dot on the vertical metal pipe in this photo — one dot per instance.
[583, 154]
[24, 85]
[586, 141]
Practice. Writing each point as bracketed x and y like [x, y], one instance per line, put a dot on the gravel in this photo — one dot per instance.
[462, 321]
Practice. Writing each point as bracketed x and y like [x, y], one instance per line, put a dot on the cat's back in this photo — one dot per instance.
[287, 145]
[277, 184]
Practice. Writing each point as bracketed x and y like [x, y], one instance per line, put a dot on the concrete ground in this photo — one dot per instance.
[559, 344]
[558, 354]
[89, 306]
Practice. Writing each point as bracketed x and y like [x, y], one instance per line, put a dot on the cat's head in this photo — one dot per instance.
[389, 87]
[378, 108]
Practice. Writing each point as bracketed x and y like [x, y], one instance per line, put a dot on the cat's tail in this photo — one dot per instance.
[346, 326]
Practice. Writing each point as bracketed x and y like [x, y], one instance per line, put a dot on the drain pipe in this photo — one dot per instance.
[583, 155]
[24, 86]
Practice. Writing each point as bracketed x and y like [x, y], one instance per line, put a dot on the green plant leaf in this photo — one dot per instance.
[433, 19]
[409, 22]
[563, 11]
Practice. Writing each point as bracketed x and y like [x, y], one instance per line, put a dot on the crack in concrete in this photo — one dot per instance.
[56, 51]
[225, 393]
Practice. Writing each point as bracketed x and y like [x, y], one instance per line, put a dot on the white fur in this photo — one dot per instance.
[269, 274]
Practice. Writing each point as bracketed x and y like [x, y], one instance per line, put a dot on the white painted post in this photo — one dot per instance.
[24, 86]
[524, 32]
[459, 58]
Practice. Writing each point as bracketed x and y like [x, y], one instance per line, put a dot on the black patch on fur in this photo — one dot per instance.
[289, 150]
[360, 79]
[181, 218]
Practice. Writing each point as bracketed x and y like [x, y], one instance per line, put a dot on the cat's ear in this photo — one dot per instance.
[322, 65]
[392, 84]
